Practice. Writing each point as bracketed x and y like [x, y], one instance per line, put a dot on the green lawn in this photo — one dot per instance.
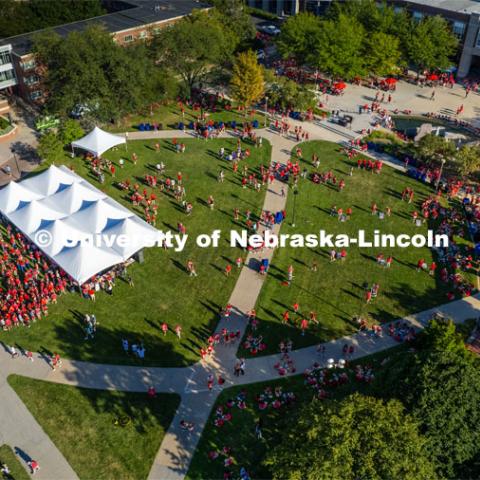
[239, 434]
[163, 291]
[335, 292]
[84, 426]
[170, 115]
[17, 472]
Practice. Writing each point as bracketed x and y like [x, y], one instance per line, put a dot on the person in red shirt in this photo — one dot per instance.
[432, 269]
[368, 296]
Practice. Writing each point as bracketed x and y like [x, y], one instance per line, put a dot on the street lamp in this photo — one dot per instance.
[16, 162]
[266, 111]
[295, 193]
[440, 174]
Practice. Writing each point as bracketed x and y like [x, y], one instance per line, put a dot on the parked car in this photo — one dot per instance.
[269, 29]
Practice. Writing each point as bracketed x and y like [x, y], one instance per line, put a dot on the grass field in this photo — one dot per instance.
[163, 291]
[335, 291]
[84, 426]
[239, 434]
[170, 115]
[17, 472]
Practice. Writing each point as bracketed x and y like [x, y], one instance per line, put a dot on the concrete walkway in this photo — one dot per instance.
[19, 429]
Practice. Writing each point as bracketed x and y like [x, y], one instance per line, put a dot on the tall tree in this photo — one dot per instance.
[434, 149]
[339, 48]
[298, 37]
[88, 68]
[382, 54]
[248, 83]
[50, 147]
[468, 160]
[359, 437]
[233, 16]
[26, 16]
[70, 131]
[432, 43]
[192, 46]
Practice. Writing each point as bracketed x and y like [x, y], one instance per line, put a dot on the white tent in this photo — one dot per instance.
[98, 141]
[63, 207]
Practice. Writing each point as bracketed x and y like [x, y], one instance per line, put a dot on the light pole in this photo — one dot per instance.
[295, 193]
[266, 111]
[440, 174]
[16, 162]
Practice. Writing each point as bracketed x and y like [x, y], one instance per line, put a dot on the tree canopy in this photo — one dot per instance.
[193, 45]
[431, 43]
[359, 437]
[442, 391]
[88, 68]
[298, 38]
[247, 83]
[30, 15]
[364, 37]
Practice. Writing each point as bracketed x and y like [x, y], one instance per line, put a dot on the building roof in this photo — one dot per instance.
[140, 13]
[459, 6]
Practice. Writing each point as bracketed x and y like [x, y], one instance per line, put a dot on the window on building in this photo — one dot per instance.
[5, 58]
[36, 95]
[398, 9]
[417, 16]
[6, 75]
[32, 80]
[143, 34]
[458, 29]
[29, 64]
[128, 38]
[156, 31]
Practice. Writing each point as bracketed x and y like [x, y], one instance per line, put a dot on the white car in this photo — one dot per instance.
[270, 29]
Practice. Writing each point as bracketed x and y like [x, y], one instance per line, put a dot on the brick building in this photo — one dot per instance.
[137, 21]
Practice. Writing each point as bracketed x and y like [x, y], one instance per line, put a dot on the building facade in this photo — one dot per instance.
[21, 75]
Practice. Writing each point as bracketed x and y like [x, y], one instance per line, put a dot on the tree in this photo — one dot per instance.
[298, 37]
[87, 68]
[468, 160]
[432, 148]
[50, 147]
[382, 54]
[233, 16]
[432, 43]
[21, 17]
[444, 398]
[192, 46]
[70, 131]
[339, 48]
[247, 84]
[359, 437]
